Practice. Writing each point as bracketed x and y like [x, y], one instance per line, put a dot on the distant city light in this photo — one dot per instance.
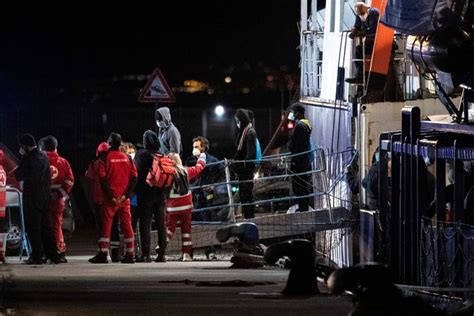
[227, 79]
[219, 110]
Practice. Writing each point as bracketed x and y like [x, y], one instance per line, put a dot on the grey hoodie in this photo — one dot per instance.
[169, 136]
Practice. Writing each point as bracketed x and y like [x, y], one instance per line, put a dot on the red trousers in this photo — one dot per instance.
[184, 217]
[57, 211]
[123, 212]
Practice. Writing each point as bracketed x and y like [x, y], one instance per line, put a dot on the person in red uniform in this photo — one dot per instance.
[3, 204]
[118, 177]
[92, 175]
[62, 180]
[180, 207]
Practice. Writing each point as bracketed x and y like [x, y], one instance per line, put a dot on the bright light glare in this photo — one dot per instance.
[219, 110]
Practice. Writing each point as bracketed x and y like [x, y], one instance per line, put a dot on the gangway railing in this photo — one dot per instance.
[321, 183]
[312, 54]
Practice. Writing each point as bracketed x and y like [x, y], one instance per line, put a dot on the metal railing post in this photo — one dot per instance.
[229, 192]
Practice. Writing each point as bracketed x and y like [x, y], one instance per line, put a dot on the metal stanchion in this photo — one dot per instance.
[229, 192]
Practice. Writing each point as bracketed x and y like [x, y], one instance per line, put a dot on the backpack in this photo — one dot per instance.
[180, 183]
[258, 152]
[161, 173]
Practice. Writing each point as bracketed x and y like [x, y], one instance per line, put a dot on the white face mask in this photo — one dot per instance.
[364, 16]
[291, 116]
[196, 152]
[22, 151]
[237, 123]
[160, 124]
[132, 155]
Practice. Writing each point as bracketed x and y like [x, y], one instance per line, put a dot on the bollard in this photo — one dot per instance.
[302, 278]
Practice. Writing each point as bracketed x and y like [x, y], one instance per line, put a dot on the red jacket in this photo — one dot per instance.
[184, 203]
[117, 169]
[92, 174]
[62, 178]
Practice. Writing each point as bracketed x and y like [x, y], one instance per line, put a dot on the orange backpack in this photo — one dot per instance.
[161, 172]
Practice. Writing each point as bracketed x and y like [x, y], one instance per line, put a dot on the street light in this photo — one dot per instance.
[219, 110]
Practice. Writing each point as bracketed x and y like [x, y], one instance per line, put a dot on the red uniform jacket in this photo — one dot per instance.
[92, 174]
[62, 178]
[178, 203]
[117, 169]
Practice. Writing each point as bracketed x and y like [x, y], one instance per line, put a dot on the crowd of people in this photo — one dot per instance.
[125, 204]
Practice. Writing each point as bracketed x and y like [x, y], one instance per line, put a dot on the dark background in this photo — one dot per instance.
[75, 70]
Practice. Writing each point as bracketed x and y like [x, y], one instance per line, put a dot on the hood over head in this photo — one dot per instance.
[163, 114]
[102, 148]
[243, 116]
[150, 140]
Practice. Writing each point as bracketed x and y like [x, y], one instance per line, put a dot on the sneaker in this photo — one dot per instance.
[187, 257]
[52, 259]
[128, 259]
[62, 257]
[160, 258]
[212, 256]
[32, 260]
[114, 255]
[100, 257]
[143, 259]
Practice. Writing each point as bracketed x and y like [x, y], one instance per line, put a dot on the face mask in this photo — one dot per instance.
[237, 123]
[132, 155]
[160, 124]
[22, 151]
[196, 152]
[291, 116]
[364, 16]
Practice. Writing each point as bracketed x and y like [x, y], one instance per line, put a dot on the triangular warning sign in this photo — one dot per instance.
[156, 90]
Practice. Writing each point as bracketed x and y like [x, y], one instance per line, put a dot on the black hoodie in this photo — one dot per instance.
[144, 161]
[248, 150]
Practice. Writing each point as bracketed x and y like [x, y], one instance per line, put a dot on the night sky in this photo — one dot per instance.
[51, 58]
[79, 41]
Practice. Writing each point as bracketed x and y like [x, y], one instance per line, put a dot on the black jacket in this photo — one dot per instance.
[249, 149]
[210, 174]
[144, 162]
[300, 142]
[34, 171]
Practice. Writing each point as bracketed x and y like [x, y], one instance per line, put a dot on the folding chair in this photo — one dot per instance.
[14, 200]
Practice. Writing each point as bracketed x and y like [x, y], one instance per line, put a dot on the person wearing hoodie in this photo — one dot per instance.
[62, 180]
[246, 150]
[169, 136]
[151, 201]
[35, 173]
[299, 143]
